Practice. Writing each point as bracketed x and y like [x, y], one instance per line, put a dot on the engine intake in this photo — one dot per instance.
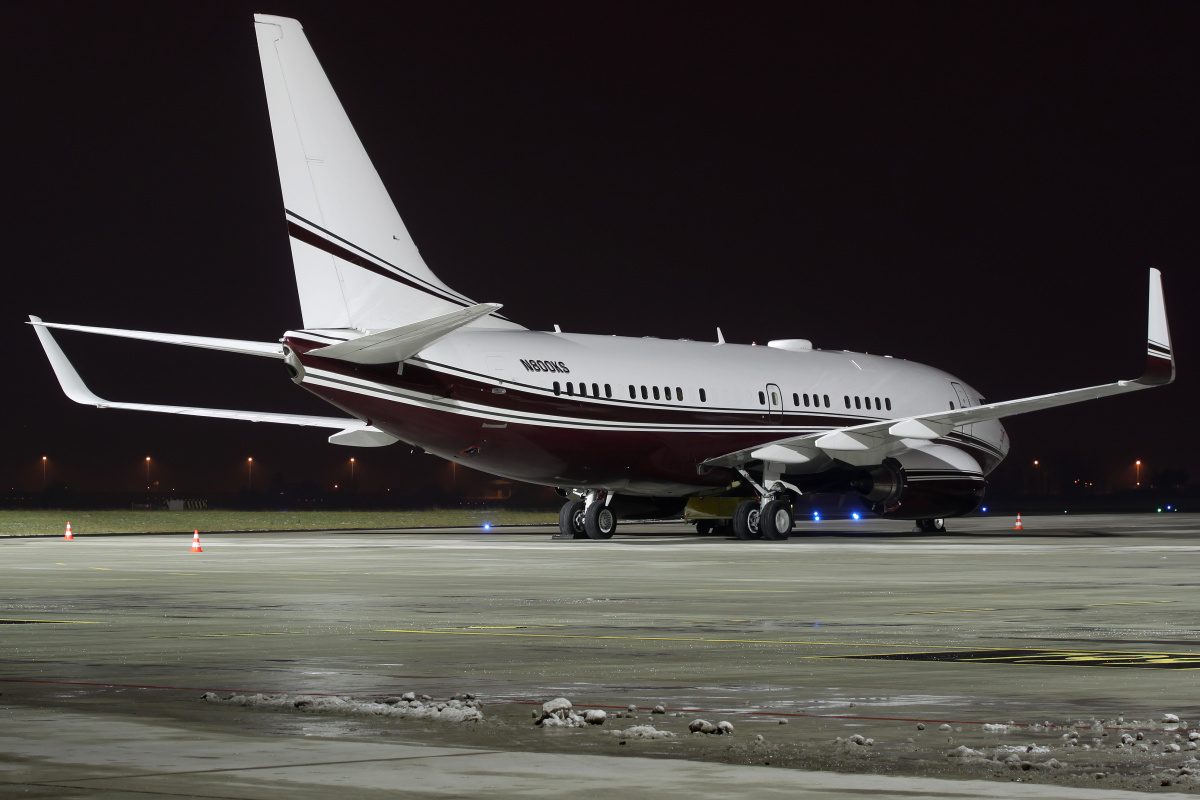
[934, 481]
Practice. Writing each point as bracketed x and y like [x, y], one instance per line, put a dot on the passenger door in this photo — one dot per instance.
[774, 403]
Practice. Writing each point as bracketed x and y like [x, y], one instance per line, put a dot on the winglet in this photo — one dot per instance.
[1160, 362]
[68, 378]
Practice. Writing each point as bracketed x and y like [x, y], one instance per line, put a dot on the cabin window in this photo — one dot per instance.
[775, 399]
[878, 405]
[846, 396]
[632, 392]
[644, 396]
[679, 394]
[666, 392]
[703, 399]
[762, 399]
[887, 401]
[557, 388]
[607, 390]
[827, 401]
[570, 389]
[595, 390]
[795, 399]
[806, 400]
[951, 402]
[655, 392]
[857, 402]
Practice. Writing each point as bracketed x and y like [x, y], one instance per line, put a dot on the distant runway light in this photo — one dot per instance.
[985, 509]
[487, 526]
[855, 515]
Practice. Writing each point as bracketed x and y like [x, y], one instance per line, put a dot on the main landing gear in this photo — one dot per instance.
[590, 518]
[770, 515]
[753, 519]
[931, 525]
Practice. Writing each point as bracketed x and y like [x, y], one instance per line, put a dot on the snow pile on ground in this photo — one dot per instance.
[706, 727]
[461, 708]
[642, 732]
[558, 713]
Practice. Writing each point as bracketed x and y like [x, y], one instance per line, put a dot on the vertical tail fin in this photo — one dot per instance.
[356, 265]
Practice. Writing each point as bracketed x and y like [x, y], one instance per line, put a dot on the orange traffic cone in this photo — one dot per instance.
[1018, 526]
[196, 542]
[68, 535]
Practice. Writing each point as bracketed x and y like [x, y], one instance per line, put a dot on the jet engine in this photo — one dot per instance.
[933, 481]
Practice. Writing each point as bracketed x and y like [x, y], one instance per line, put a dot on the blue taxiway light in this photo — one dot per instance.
[487, 526]
[855, 515]
[984, 509]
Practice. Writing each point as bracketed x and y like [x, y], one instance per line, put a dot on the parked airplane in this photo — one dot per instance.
[623, 427]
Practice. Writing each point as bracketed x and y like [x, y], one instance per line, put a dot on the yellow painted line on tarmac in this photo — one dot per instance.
[326, 580]
[639, 638]
[103, 568]
[955, 611]
[10, 621]
[760, 591]
[1140, 603]
[219, 635]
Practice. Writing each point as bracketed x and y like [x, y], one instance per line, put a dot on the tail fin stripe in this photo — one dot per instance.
[426, 285]
[335, 249]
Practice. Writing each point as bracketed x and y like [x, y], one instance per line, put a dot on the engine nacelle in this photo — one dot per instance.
[934, 481]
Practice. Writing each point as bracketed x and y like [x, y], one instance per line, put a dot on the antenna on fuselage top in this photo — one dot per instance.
[720, 337]
[557, 329]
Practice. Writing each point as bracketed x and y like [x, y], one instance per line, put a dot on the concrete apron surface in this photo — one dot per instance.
[65, 754]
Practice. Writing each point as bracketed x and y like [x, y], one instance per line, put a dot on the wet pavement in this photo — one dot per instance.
[1078, 630]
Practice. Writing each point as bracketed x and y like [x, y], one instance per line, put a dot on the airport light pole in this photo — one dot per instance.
[352, 473]
[43, 473]
[250, 473]
[147, 473]
[1138, 466]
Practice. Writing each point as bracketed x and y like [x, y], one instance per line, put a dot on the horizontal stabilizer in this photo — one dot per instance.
[397, 344]
[271, 349]
[77, 390]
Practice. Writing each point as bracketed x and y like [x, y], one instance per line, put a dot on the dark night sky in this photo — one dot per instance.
[980, 187]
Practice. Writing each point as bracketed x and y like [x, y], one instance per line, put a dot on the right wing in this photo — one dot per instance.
[881, 435]
[76, 390]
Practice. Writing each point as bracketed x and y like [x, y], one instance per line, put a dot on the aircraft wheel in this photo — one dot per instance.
[705, 526]
[932, 525]
[776, 520]
[570, 520]
[599, 521]
[745, 520]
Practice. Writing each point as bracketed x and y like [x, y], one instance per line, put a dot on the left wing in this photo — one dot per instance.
[1160, 370]
[75, 389]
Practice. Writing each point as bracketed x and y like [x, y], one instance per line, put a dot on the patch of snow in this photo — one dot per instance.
[642, 732]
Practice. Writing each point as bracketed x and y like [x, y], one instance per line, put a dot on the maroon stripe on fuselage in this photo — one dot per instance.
[568, 454]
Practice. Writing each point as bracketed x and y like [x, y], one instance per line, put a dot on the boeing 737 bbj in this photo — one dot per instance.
[624, 428]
